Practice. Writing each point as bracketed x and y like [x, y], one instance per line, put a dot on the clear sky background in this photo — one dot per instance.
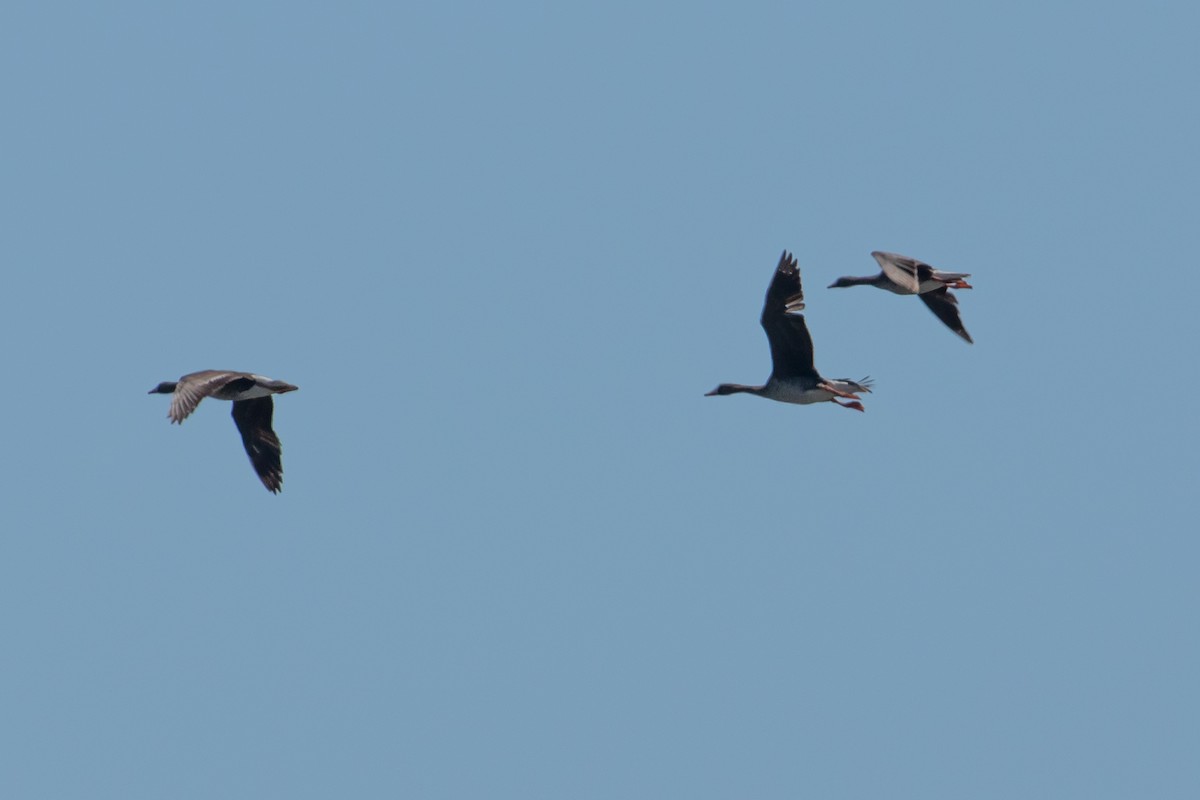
[504, 249]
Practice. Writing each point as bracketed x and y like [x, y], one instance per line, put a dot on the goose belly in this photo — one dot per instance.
[795, 392]
[896, 288]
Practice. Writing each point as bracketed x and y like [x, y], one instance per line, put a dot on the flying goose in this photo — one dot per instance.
[793, 378]
[252, 411]
[904, 275]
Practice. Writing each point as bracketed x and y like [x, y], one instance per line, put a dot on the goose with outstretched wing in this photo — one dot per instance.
[793, 377]
[904, 275]
[253, 410]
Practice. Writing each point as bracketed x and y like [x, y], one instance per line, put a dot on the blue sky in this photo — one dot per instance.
[503, 251]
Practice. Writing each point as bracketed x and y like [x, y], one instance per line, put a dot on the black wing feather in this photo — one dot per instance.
[944, 305]
[791, 344]
[253, 420]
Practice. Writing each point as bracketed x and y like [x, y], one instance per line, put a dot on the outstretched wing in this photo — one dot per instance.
[945, 306]
[905, 272]
[791, 344]
[253, 420]
[193, 388]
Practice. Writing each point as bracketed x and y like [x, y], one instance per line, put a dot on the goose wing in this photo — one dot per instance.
[253, 420]
[945, 306]
[787, 332]
[193, 388]
[905, 272]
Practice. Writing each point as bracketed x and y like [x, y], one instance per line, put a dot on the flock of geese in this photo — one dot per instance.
[793, 377]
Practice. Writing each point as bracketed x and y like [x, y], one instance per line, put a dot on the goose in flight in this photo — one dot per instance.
[793, 378]
[252, 412]
[904, 275]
